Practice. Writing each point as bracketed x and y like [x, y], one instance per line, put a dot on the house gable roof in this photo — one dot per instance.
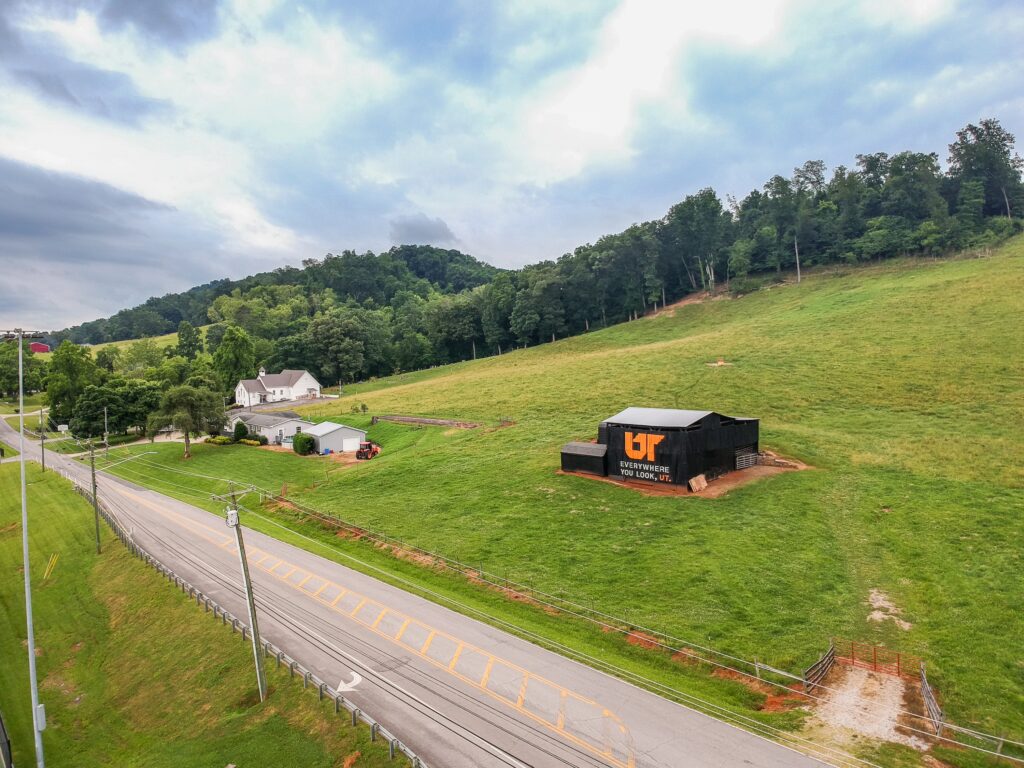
[269, 419]
[253, 385]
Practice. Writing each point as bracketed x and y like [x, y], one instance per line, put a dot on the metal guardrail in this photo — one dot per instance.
[309, 680]
[6, 760]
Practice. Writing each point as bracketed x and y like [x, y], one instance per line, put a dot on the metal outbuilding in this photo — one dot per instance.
[338, 438]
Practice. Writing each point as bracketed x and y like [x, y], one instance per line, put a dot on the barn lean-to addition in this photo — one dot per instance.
[665, 445]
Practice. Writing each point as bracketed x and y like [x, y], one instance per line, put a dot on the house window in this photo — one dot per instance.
[298, 429]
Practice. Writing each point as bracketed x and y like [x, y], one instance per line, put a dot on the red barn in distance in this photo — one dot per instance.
[38, 346]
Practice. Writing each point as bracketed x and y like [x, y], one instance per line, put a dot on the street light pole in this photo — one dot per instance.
[42, 438]
[95, 498]
[232, 521]
[38, 712]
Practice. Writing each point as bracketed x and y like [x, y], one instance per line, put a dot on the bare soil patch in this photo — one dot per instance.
[716, 488]
[427, 422]
[884, 609]
[858, 702]
[694, 298]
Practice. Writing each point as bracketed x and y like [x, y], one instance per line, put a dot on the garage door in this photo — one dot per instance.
[350, 444]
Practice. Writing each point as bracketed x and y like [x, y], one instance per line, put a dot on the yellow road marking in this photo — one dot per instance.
[226, 542]
[487, 672]
[401, 629]
[455, 658]
[322, 588]
[522, 690]
[427, 642]
[379, 618]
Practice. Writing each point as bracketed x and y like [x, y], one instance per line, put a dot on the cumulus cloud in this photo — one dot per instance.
[420, 229]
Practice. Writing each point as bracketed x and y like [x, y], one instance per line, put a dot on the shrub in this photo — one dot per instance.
[247, 441]
[219, 440]
[241, 430]
[303, 444]
[263, 439]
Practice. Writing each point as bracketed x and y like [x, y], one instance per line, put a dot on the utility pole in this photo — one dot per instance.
[38, 711]
[95, 498]
[106, 435]
[232, 521]
[42, 438]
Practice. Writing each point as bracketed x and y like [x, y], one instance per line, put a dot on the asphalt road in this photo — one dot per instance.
[461, 693]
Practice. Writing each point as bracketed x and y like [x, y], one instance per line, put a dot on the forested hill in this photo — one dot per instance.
[350, 276]
[355, 316]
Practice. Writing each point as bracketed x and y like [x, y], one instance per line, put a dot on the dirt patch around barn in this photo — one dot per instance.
[857, 702]
[716, 488]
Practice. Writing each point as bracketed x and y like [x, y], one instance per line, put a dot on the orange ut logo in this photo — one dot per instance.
[640, 446]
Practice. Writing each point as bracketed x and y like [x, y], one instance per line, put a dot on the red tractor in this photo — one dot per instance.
[367, 450]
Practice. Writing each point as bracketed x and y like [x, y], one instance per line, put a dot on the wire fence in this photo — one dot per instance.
[6, 761]
[932, 707]
[270, 651]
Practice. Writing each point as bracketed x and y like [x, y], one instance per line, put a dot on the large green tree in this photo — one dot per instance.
[190, 410]
[71, 370]
[984, 153]
[235, 358]
[190, 340]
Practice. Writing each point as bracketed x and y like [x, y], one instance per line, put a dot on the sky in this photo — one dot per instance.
[146, 147]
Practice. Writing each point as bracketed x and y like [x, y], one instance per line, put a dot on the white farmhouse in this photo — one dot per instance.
[277, 388]
[277, 426]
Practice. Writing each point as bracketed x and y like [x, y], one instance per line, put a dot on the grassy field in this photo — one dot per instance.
[899, 383]
[32, 403]
[130, 672]
[166, 340]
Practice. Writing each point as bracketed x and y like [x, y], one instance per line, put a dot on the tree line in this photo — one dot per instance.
[350, 317]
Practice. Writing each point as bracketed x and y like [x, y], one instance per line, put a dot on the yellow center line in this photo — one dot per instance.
[226, 542]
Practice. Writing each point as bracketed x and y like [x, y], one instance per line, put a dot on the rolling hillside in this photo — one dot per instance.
[898, 383]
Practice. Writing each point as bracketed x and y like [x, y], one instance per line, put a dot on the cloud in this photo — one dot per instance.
[174, 24]
[31, 60]
[72, 248]
[420, 229]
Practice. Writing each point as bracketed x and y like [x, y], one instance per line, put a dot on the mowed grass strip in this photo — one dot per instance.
[899, 383]
[131, 673]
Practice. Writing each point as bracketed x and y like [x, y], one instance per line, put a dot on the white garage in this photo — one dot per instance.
[338, 438]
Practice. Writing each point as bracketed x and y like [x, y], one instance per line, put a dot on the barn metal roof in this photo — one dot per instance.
[657, 417]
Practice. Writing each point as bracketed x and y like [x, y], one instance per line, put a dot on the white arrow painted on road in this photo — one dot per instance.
[344, 688]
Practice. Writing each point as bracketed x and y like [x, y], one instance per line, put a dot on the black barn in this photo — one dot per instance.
[663, 445]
